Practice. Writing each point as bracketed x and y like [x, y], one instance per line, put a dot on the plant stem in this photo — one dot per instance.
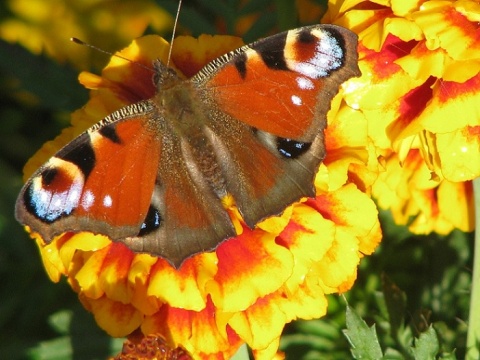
[473, 336]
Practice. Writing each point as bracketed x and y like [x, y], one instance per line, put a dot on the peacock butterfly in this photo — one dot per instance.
[152, 174]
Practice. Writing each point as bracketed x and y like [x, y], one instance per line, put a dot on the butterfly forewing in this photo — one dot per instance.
[284, 84]
[98, 182]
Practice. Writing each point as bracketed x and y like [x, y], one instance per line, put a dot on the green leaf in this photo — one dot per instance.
[300, 343]
[81, 338]
[315, 339]
[363, 339]
[56, 349]
[393, 354]
[426, 346]
[60, 321]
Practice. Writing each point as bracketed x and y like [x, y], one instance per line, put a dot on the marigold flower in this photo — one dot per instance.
[253, 284]
[419, 93]
[422, 203]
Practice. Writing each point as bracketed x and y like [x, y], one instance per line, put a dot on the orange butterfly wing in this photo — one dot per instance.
[152, 174]
[284, 84]
[101, 182]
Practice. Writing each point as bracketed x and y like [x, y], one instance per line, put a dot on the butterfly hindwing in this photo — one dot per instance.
[261, 182]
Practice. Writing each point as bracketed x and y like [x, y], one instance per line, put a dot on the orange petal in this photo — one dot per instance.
[250, 266]
[115, 318]
[446, 27]
[191, 54]
[450, 99]
[182, 288]
[197, 332]
[354, 211]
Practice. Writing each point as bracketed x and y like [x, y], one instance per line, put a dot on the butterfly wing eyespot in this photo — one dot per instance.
[153, 220]
[53, 193]
[292, 149]
[152, 174]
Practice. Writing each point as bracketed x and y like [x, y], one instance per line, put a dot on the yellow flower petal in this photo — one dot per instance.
[183, 288]
[197, 332]
[346, 143]
[207, 48]
[451, 99]
[455, 203]
[115, 318]
[247, 271]
[418, 93]
[447, 28]
[260, 324]
[459, 153]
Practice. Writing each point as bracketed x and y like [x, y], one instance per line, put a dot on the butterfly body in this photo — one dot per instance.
[152, 174]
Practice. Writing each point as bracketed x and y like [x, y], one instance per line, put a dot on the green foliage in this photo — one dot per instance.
[426, 346]
[362, 338]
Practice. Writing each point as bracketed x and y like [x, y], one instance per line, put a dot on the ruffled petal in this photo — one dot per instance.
[247, 271]
[420, 62]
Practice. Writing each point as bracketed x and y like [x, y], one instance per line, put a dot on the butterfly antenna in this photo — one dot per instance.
[173, 32]
[80, 42]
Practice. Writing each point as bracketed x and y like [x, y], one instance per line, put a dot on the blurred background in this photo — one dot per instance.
[38, 91]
